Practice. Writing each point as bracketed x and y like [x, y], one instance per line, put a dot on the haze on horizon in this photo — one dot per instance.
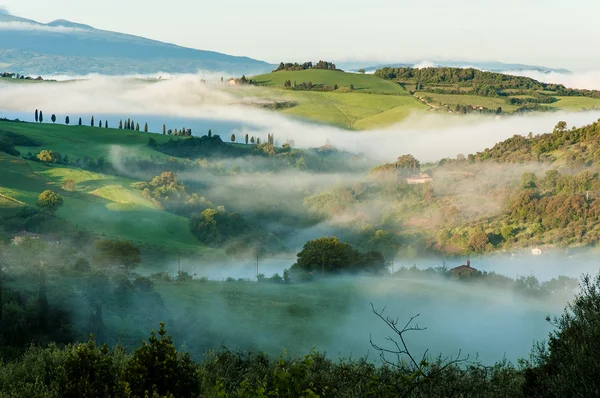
[380, 31]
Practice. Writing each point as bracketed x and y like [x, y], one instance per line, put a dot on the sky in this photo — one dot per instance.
[553, 33]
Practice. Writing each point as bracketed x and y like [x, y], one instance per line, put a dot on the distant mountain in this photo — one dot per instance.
[492, 66]
[69, 48]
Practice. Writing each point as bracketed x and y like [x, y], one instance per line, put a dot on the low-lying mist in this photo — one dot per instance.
[178, 102]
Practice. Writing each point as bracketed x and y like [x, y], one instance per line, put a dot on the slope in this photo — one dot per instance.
[106, 205]
[64, 47]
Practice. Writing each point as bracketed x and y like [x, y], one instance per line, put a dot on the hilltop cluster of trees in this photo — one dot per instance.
[469, 81]
[306, 65]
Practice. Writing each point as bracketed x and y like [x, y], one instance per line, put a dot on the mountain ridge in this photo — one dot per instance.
[31, 47]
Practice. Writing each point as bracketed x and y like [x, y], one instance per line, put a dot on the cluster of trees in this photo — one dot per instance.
[307, 86]
[405, 165]
[167, 192]
[129, 124]
[217, 226]
[465, 77]
[304, 66]
[518, 149]
[469, 81]
[183, 132]
[330, 256]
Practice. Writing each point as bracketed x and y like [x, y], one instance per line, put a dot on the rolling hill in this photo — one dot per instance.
[64, 47]
[392, 94]
[103, 204]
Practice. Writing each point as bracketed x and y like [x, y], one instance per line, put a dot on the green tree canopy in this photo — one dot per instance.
[117, 252]
[49, 201]
[46, 156]
[157, 368]
[568, 366]
[329, 255]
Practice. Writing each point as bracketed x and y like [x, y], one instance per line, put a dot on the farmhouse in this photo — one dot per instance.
[232, 82]
[536, 251]
[21, 236]
[463, 270]
[419, 179]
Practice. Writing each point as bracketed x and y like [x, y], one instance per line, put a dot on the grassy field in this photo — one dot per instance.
[474, 100]
[80, 141]
[350, 110]
[362, 83]
[104, 204]
[576, 103]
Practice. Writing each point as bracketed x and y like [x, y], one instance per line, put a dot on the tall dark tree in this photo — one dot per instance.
[246, 139]
[137, 127]
[232, 137]
[257, 141]
[120, 124]
[67, 120]
[209, 133]
[146, 128]
[80, 122]
[252, 139]
[106, 124]
[100, 124]
[164, 129]
[128, 124]
[36, 115]
[53, 118]
[92, 121]
[41, 117]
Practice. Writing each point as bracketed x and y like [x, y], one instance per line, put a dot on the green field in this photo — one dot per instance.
[351, 110]
[474, 100]
[362, 83]
[80, 141]
[103, 204]
[576, 103]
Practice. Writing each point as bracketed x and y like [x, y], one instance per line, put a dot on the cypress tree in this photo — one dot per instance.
[100, 124]
[232, 137]
[164, 129]
[80, 121]
[137, 127]
[36, 115]
[209, 133]
[120, 124]
[146, 128]
[92, 121]
[67, 121]
[106, 124]
[53, 118]
[246, 139]
[41, 117]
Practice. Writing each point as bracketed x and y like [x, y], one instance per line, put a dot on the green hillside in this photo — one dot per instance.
[362, 83]
[391, 95]
[81, 141]
[105, 205]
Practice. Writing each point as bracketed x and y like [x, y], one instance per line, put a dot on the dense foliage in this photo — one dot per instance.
[306, 65]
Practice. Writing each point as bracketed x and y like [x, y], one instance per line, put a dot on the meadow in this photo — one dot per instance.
[105, 205]
[362, 83]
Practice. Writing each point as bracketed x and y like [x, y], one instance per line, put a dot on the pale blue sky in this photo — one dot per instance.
[558, 33]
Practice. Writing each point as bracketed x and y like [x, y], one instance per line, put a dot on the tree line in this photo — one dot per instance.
[288, 66]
